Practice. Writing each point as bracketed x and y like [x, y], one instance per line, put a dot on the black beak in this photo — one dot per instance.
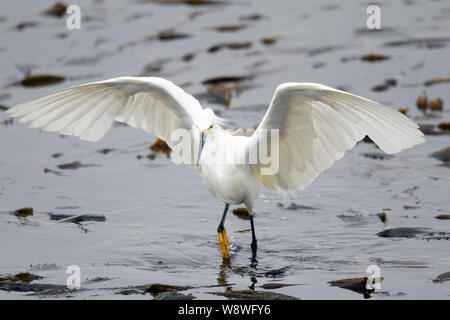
[202, 139]
[202, 142]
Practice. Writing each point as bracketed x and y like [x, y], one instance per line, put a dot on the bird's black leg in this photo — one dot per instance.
[254, 242]
[222, 221]
[222, 235]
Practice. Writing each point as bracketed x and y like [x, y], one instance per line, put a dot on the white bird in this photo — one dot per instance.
[316, 125]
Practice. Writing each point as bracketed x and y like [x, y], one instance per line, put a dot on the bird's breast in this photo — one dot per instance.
[229, 182]
[226, 182]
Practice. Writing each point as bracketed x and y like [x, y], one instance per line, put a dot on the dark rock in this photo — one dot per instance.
[377, 155]
[380, 87]
[443, 217]
[357, 285]
[276, 273]
[174, 296]
[374, 57]
[442, 155]
[40, 288]
[436, 104]
[105, 150]
[47, 170]
[442, 277]
[97, 279]
[23, 25]
[218, 80]
[253, 295]
[230, 27]
[23, 212]
[77, 218]
[421, 43]
[127, 292]
[294, 206]
[252, 17]
[73, 165]
[401, 232]
[188, 2]
[274, 285]
[57, 155]
[325, 49]
[230, 45]
[436, 81]
[158, 288]
[241, 213]
[391, 82]
[41, 80]
[171, 35]
[422, 102]
[57, 10]
[161, 146]
[269, 40]
[22, 277]
[444, 126]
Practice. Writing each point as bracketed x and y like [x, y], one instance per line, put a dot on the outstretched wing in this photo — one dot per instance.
[317, 124]
[88, 111]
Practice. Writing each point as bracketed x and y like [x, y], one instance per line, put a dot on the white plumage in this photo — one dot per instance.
[316, 124]
[88, 111]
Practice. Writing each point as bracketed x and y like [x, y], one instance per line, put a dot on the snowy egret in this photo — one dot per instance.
[316, 124]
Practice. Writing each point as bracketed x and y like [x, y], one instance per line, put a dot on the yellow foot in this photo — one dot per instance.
[224, 244]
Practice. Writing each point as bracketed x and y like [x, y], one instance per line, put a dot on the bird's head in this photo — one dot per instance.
[205, 120]
[204, 123]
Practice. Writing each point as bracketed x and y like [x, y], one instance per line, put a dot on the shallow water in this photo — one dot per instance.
[160, 220]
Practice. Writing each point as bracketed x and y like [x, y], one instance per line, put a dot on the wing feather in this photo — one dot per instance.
[318, 124]
[58, 119]
[88, 111]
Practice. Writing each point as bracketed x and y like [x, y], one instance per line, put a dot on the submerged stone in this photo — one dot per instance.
[253, 295]
[401, 232]
[442, 155]
[442, 277]
[174, 296]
